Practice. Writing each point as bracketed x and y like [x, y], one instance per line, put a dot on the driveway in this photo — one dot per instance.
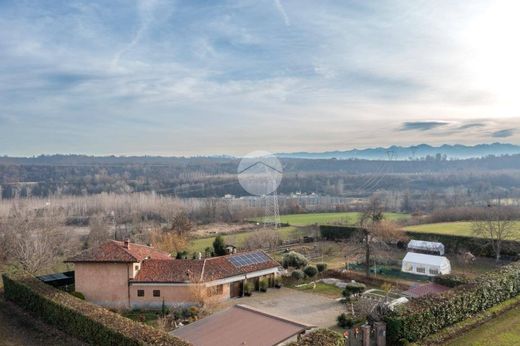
[299, 306]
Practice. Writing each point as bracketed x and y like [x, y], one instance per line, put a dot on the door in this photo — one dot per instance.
[235, 289]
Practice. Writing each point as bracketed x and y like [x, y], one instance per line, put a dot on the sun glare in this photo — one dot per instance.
[494, 53]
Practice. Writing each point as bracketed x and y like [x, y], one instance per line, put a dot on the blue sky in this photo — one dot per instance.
[215, 77]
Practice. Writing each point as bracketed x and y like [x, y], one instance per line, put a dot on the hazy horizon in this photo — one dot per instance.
[208, 78]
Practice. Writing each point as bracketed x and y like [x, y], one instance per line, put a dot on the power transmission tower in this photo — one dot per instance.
[272, 210]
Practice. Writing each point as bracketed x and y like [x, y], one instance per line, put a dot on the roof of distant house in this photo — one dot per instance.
[117, 251]
[240, 325]
[208, 269]
[423, 290]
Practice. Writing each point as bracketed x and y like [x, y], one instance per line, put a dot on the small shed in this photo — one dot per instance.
[426, 247]
[422, 264]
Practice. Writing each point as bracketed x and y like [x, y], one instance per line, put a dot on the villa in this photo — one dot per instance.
[126, 275]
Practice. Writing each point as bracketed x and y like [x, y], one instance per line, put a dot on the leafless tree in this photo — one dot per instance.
[98, 231]
[267, 238]
[497, 226]
[375, 231]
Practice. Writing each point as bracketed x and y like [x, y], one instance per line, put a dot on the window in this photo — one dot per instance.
[136, 267]
[408, 267]
[434, 271]
[421, 270]
[215, 290]
[140, 293]
[156, 293]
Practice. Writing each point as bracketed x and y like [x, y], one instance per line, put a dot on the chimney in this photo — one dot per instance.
[125, 243]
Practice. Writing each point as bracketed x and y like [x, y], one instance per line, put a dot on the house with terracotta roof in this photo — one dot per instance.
[127, 275]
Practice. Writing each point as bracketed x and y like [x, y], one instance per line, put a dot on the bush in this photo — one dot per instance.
[263, 284]
[78, 295]
[310, 271]
[354, 288]
[321, 267]
[297, 275]
[344, 321]
[248, 288]
[451, 280]
[81, 319]
[427, 315]
[219, 247]
[320, 337]
[295, 260]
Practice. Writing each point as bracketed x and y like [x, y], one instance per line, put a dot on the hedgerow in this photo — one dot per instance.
[81, 319]
[424, 316]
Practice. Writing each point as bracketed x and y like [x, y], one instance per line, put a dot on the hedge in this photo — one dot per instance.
[78, 318]
[322, 337]
[424, 316]
[453, 243]
[331, 232]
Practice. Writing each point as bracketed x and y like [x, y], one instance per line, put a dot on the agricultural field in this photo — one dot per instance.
[347, 218]
[462, 228]
[501, 331]
[238, 239]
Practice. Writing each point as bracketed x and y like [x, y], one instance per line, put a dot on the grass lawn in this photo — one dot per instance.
[330, 291]
[332, 218]
[462, 228]
[500, 331]
[238, 239]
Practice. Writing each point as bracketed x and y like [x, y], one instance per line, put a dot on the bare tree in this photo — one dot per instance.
[35, 240]
[497, 226]
[375, 231]
[170, 242]
[98, 231]
[267, 238]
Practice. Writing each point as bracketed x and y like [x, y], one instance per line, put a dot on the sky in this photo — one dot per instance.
[215, 77]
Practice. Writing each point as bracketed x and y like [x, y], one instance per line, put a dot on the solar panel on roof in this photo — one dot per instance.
[248, 259]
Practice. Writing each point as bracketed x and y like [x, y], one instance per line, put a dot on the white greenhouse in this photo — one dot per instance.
[428, 247]
[429, 265]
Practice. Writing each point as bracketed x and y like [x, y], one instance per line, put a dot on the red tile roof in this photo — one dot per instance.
[115, 251]
[209, 269]
[423, 290]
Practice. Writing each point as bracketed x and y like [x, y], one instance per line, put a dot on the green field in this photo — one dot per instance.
[501, 331]
[453, 228]
[324, 289]
[238, 239]
[332, 218]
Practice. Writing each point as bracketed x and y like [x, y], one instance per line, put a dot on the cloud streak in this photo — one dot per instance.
[423, 125]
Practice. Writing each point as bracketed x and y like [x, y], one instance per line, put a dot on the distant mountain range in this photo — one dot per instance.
[456, 151]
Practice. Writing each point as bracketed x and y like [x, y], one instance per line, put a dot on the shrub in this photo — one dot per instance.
[344, 321]
[248, 288]
[451, 280]
[81, 319]
[310, 271]
[263, 284]
[354, 288]
[295, 260]
[78, 295]
[219, 247]
[321, 267]
[427, 315]
[320, 337]
[297, 275]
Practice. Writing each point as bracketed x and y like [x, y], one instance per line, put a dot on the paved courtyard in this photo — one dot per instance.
[295, 305]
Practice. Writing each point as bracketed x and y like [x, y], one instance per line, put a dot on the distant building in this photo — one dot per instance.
[127, 275]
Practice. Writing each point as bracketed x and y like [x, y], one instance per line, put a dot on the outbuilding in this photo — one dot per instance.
[429, 265]
[426, 247]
